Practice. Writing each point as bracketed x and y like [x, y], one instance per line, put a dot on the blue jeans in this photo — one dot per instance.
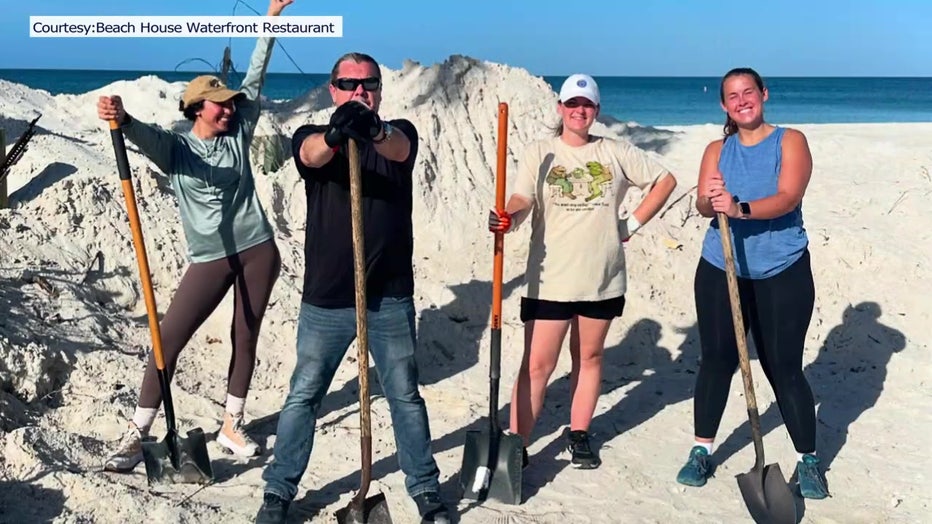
[324, 335]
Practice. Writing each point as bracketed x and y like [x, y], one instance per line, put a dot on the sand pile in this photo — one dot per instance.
[74, 338]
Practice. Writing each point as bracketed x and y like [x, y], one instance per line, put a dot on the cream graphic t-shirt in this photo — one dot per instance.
[575, 252]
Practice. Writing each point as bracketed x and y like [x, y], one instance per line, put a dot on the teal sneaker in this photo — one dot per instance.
[812, 484]
[698, 468]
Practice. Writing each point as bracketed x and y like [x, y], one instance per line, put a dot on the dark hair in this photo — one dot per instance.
[359, 58]
[731, 127]
[190, 112]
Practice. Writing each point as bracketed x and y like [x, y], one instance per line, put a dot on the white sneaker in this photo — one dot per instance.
[129, 452]
[234, 438]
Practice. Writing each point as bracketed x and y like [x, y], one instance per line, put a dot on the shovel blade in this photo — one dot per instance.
[178, 460]
[374, 510]
[767, 495]
[500, 480]
[475, 475]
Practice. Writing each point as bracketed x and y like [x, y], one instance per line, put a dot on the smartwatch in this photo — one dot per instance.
[745, 209]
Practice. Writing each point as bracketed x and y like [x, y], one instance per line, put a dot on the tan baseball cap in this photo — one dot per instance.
[207, 87]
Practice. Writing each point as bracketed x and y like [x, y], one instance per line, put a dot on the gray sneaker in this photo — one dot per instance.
[129, 452]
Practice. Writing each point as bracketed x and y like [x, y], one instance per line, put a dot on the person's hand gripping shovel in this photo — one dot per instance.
[764, 488]
[492, 460]
[176, 458]
[362, 510]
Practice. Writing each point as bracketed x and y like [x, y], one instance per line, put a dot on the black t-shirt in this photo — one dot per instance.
[387, 205]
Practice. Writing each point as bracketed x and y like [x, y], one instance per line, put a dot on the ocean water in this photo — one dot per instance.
[655, 101]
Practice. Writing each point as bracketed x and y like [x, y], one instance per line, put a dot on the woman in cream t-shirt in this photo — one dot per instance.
[573, 185]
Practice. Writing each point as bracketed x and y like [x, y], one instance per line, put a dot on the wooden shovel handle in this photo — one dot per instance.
[741, 339]
[142, 259]
[362, 336]
[119, 148]
[498, 266]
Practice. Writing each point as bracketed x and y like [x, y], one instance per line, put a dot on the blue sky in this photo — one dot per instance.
[623, 38]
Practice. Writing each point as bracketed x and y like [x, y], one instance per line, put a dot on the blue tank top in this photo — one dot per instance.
[762, 248]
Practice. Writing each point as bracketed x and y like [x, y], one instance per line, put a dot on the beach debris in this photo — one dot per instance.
[671, 243]
[16, 152]
[898, 200]
[688, 193]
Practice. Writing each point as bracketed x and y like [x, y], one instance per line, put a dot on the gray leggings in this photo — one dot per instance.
[252, 273]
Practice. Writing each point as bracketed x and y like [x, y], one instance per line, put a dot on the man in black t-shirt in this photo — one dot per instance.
[327, 323]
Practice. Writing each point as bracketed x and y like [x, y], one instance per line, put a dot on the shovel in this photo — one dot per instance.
[492, 461]
[175, 459]
[764, 488]
[374, 509]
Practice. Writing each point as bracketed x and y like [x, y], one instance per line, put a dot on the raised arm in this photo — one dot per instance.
[157, 144]
[255, 75]
[258, 64]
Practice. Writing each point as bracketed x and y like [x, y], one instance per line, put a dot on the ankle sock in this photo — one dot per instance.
[235, 405]
[800, 456]
[144, 417]
[706, 445]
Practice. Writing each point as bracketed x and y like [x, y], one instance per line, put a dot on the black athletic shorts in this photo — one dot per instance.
[536, 309]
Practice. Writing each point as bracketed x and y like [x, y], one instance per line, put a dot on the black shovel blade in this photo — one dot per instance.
[374, 510]
[178, 460]
[767, 495]
[503, 481]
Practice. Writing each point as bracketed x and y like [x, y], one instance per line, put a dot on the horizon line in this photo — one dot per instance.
[327, 73]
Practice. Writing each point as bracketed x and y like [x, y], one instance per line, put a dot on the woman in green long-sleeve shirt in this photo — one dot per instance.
[230, 240]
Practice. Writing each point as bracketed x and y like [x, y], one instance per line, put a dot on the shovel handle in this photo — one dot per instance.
[129, 195]
[500, 171]
[362, 335]
[741, 339]
[498, 270]
[119, 148]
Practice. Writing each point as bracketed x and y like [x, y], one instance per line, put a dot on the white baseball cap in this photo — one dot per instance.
[580, 85]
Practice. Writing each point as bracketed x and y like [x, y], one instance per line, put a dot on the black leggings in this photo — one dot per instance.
[252, 273]
[778, 309]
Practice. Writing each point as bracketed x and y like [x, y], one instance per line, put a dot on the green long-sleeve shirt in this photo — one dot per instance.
[213, 181]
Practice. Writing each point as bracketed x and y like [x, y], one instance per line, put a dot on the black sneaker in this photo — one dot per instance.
[273, 510]
[431, 508]
[583, 455]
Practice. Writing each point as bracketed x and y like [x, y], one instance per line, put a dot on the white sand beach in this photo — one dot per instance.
[74, 337]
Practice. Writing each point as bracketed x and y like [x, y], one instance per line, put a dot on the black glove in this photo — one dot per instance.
[363, 126]
[336, 135]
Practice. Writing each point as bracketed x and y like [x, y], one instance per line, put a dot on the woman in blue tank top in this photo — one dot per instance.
[757, 176]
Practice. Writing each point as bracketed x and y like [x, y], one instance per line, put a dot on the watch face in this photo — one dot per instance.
[745, 208]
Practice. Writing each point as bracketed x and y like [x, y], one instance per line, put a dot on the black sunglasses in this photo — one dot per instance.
[350, 84]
